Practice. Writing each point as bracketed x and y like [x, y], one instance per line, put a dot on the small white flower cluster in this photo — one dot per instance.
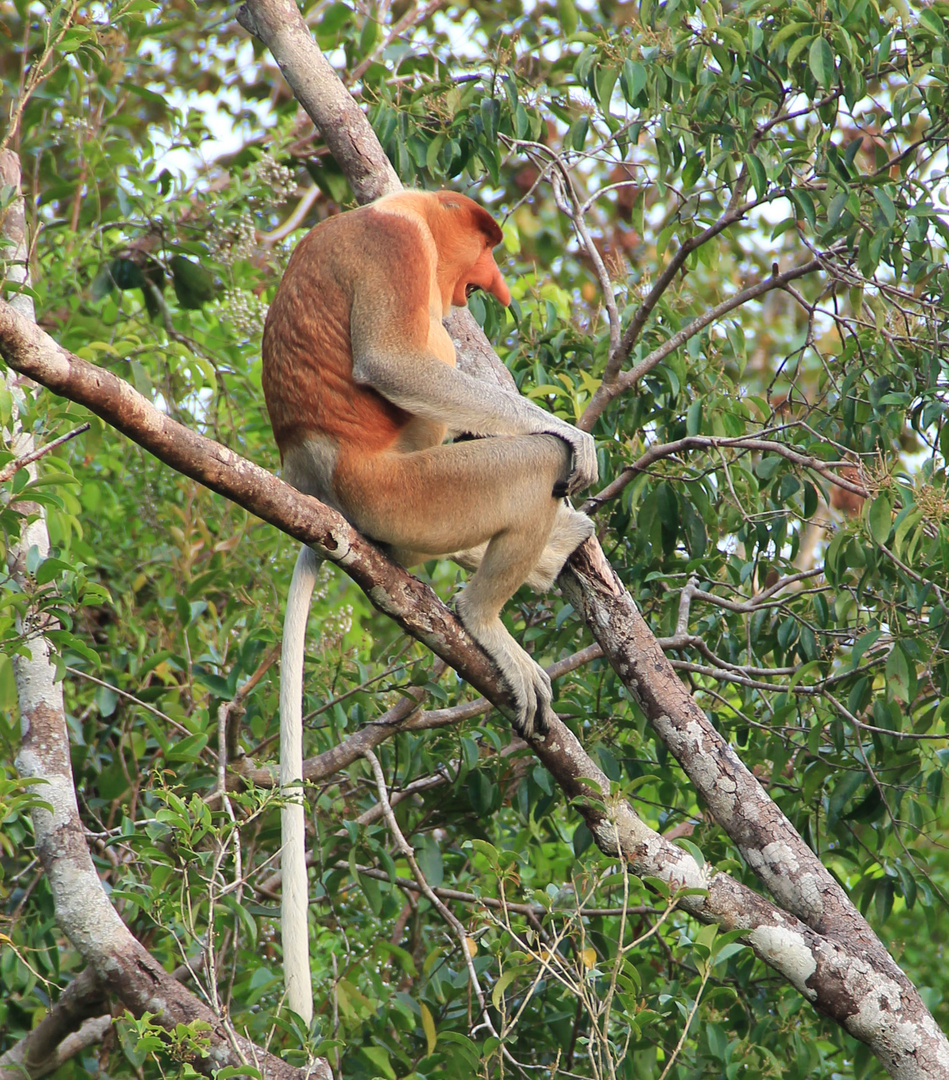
[337, 623]
[335, 626]
[238, 240]
[244, 311]
[279, 179]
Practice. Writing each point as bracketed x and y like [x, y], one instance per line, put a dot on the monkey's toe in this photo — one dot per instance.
[534, 699]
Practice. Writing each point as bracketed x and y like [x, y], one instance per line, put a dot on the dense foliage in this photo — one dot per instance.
[651, 162]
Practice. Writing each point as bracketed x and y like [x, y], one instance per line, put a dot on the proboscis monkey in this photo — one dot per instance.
[360, 381]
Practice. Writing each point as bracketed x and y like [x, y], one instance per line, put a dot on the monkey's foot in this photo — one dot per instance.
[528, 681]
[570, 529]
[534, 698]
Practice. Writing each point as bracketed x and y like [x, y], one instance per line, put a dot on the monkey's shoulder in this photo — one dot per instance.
[367, 244]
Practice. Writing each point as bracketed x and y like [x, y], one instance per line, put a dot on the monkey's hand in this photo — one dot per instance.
[583, 466]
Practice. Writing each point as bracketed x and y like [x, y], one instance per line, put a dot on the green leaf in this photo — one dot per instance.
[632, 80]
[820, 59]
[880, 518]
[692, 171]
[900, 675]
[381, 1060]
[885, 204]
[863, 643]
[497, 993]
[50, 569]
[567, 13]
[490, 114]
[428, 1026]
[905, 523]
[791, 31]
[805, 204]
[606, 77]
[756, 170]
[577, 134]
[429, 859]
[836, 207]
[931, 20]
[194, 285]
[190, 748]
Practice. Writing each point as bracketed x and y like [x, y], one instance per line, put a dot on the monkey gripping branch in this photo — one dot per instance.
[811, 935]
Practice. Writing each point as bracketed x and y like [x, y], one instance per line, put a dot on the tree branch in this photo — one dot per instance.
[82, 1007]
[621, 381]
[658, 451]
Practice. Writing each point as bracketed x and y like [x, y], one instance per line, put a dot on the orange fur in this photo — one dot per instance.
[359, 380]
[308, 363]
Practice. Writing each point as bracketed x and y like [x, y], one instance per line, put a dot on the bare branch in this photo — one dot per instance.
[745, 443]
[568, 204]
[13, 467]
[617, 382]
[531, 910]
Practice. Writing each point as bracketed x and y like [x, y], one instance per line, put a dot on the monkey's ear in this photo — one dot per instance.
[487, 225]
[479, 220]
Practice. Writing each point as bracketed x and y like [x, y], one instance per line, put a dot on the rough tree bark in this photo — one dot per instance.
[812, 936]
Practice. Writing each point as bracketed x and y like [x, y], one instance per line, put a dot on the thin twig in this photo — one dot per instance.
[744, 443]
[13, 467]
[405, 848]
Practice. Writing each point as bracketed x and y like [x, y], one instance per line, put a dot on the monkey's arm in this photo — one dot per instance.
[391, 354]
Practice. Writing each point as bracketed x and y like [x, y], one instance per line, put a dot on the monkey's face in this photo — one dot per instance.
[484, 274]
[465, 235]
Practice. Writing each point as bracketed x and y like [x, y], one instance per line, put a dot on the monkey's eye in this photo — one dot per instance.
[471, 288]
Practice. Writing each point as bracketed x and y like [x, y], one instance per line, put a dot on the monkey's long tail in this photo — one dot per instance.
[294, 902]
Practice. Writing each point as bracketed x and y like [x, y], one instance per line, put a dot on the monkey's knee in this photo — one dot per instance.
[561, 460]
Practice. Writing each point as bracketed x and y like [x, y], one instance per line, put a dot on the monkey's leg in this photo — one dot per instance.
[494, 491]
[479, 607]
[570, 529]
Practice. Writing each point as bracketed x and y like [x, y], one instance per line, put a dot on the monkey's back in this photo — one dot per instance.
[307, 342]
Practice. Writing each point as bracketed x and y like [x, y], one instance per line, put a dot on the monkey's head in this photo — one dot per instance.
[465, 235]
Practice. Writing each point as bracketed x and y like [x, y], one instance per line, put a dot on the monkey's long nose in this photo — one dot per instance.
[498, 288]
